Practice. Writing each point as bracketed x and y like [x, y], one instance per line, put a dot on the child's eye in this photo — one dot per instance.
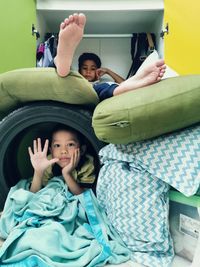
[56, 145]
[71, 145]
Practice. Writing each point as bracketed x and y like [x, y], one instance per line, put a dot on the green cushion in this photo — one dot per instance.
[163, 107]
[37, 84]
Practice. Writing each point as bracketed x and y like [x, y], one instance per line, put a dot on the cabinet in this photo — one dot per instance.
[183, 41]
[109, 27]
[108, 30]
[180, 45]
[17, 46]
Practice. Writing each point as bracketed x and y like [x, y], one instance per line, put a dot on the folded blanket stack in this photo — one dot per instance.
[133, 187]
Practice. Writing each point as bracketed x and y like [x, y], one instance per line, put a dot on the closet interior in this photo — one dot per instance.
[109, 29]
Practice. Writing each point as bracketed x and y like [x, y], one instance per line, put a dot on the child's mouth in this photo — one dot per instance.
[64, 159]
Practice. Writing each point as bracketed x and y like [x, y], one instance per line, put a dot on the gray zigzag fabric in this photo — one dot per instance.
[133, 188]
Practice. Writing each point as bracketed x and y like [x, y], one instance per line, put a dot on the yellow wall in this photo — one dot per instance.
[182, 44]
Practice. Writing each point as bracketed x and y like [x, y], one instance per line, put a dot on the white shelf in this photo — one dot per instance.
[100, 5]
[108, 22]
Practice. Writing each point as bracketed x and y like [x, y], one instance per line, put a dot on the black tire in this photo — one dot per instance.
[20, 127]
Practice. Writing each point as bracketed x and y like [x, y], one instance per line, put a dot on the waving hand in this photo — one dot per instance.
[38, 156]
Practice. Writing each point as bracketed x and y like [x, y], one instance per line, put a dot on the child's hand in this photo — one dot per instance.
[100, 72]
[75, 158]
[38, 156]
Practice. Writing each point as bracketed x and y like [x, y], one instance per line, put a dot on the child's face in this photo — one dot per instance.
[88, 70]
[64, 144]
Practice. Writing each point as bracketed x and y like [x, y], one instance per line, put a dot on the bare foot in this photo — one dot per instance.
[70, 35]
[148, 75]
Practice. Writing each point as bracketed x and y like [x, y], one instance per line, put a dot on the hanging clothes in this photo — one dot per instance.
[40, 51]
[142, 44]
[46, 51]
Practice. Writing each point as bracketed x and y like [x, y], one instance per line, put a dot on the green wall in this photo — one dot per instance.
[17, 45]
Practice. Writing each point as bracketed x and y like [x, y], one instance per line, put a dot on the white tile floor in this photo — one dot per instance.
[178, 262]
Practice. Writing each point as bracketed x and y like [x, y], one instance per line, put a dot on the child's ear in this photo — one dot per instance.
[82, 149]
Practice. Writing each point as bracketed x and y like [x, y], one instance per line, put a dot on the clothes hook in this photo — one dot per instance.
[34, 31]
[165, 31]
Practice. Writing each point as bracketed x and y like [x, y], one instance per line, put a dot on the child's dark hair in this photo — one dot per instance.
[88, 56]
[61, 127]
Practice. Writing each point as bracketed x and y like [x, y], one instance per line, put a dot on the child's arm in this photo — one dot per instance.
[67, 174]
[102, 71]
[73, 186]
[39, 162]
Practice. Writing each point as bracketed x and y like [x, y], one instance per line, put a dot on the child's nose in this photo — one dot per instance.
[64, 151]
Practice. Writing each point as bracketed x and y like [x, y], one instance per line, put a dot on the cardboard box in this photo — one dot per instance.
[184, 219]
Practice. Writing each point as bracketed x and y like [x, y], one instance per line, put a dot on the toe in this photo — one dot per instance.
[76, 18]
[71, 18]
[160, 63]
[62, 25]
[82, 19]
[66, 21]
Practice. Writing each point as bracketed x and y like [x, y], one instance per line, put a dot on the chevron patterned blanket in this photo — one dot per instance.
[133, 187]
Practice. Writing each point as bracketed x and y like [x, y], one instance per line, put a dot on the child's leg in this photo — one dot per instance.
[146, 76]
[71, 33]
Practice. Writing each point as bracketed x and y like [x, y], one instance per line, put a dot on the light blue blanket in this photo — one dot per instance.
[55, 228]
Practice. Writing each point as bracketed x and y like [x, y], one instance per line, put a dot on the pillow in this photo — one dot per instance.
[136, 204]
[173, 158]
[37, 84]
[169, 72]
[150, 111]
[153, 57]
[133, 187]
